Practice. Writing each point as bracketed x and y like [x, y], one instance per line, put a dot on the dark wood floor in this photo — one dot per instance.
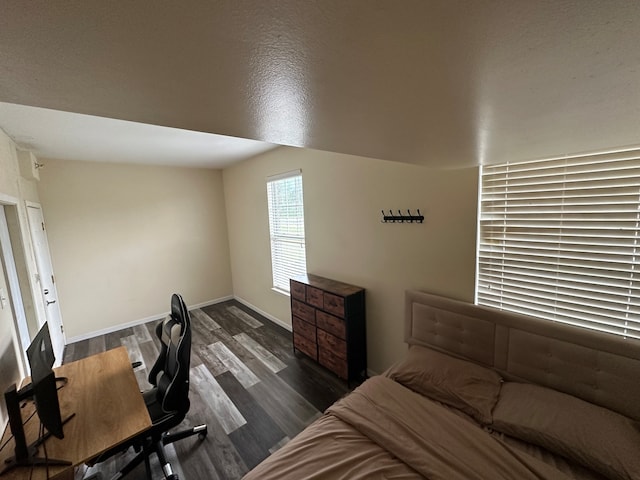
[246, 385]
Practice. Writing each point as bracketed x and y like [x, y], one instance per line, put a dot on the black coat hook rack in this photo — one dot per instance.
[402, 218]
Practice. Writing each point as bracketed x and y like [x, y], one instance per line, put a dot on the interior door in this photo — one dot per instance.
[46, 279]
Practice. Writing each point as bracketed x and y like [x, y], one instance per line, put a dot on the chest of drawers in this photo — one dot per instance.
[328, 320]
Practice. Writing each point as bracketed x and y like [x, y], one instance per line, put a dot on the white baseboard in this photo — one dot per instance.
[210, 302]
[140, 321]
[275, 320]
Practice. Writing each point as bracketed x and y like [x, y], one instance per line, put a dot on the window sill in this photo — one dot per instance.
[280, 291]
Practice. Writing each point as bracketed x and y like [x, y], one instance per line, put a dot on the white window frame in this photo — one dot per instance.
[559, 239]
[286, 228]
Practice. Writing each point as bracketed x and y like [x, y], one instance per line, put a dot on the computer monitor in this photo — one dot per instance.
[41, 360]
[44, 391]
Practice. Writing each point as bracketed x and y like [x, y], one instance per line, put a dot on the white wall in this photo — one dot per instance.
[346, 241]
[124, 237]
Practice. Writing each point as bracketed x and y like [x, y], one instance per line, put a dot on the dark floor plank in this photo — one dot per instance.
[260, 433]
[288, 409]
[320, 387]
[230, 323]
[112, 340]
[217, 446]
[202, 333]
[96, 345]
[80, 349]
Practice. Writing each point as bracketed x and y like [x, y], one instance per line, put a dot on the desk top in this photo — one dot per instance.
[103, 393]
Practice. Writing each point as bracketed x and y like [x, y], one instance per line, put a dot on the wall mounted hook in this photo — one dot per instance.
[400, 218]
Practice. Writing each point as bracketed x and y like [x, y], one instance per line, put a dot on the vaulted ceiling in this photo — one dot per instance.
[447, 83]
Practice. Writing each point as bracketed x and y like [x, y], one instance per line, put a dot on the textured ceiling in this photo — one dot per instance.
[436, 82]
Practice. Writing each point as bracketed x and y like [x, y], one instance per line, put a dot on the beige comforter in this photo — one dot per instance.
[383, 430]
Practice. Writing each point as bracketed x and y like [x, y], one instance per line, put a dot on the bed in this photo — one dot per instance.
[481, 394]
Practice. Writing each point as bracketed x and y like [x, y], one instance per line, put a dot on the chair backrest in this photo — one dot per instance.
[170, 373]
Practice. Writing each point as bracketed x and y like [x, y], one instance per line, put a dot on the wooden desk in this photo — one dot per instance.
[103, 393]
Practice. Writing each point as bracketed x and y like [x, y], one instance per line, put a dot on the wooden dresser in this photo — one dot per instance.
[328, 320]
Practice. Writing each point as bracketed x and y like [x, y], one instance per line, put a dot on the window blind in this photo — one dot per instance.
[560, 239]
[286, 226]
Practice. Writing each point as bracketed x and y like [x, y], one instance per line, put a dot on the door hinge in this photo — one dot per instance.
[42, 223]
[53, 280]
[62, 328]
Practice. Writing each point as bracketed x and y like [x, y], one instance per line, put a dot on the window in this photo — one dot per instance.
[560, 239]
[286, 226]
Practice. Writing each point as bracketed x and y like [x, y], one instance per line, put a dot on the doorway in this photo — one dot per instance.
[11, 299]
[10, 369]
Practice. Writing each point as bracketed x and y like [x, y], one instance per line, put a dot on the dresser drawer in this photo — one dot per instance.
[329, 342]
[297, 290]
[315, 297]
[336, 364]
[305, 345]
[303, 311]
[307, 330]
[333, 304]
[331, 324]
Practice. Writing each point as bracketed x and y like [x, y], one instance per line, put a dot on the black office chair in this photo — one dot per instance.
[168, 400]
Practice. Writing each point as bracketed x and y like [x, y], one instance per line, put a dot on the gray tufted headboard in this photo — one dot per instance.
[600, 368]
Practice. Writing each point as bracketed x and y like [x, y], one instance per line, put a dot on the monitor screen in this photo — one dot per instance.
[43, 381]
[45, 393]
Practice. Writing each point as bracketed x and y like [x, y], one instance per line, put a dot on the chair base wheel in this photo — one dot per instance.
[202, 431]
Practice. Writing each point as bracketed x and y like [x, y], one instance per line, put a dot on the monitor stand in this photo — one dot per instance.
[26, 392]
[31, 460]
[25, 455]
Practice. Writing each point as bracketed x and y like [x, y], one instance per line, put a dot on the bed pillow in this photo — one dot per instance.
[464, 385]
[595, 437]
